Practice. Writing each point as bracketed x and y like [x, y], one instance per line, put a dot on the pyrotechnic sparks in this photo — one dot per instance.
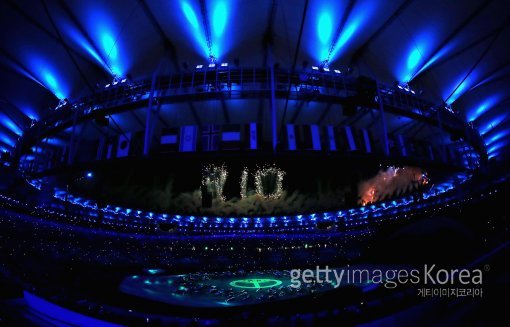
[214, 177]
[393, 181]
[269, 182]
[244, 183]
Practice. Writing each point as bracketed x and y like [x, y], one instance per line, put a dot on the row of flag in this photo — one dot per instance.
[193, 138]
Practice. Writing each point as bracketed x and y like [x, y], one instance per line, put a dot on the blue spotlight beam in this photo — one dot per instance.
[18, 116]
[86, 35]
[338, 32]
[4, 144]
[43, 29]
[66, 48]
[473, 67]
[468, 47]
[452, 35]
[359, 53]
[207, 31]
[9, 123]
[496, 123]
[486, 107]
[25, 72]
[7, 132]
[45, 76]
[489, 79]
[199, 23]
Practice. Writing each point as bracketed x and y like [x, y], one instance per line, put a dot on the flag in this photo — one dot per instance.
[401, 145]
[101, 143]
[188, 138]
[367, 140]
[252, 136]
[331, 138]
[210, 138]
[169, 140]
[311, 138]
[123, 145]
[348, 139]
[231, 137]
[291, 137]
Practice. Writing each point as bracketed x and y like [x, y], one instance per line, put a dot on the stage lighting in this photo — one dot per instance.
[90, 174]
[224, 64]
[123, 80]
[61, 103]
[199, 66]
[212, 65]
[107, 86]
[337, 71]
[315, 68]
[326, 69]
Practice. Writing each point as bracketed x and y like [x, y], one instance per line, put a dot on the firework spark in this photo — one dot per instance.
[390, 182]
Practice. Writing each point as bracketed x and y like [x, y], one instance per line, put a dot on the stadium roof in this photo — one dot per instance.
[457, 52]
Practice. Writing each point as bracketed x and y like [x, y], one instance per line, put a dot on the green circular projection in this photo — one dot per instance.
[255, 283]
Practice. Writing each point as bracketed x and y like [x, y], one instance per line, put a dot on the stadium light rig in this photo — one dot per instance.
[117, 80]
[212, 65]
[326, 69]
[405, 87]
[449, 108]
[61, 103]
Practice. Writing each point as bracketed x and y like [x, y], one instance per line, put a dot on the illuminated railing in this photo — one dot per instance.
[240, 83]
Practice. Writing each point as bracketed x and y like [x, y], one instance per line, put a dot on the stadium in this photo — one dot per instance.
[226, 162]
